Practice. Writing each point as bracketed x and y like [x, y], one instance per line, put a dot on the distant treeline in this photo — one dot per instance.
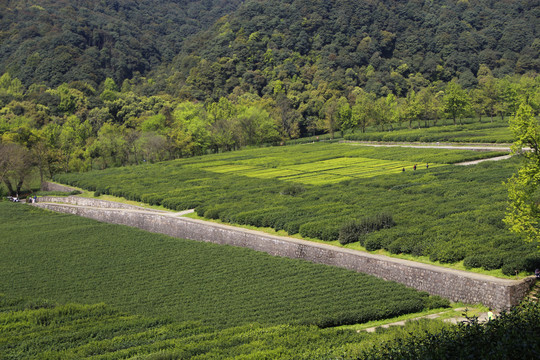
[75, 127]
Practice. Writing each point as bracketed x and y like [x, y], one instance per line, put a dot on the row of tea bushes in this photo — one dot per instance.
[71, 259]
[446, 213]
[486, 132]
[39, 329]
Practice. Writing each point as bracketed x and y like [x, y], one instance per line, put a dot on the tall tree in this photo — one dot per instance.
[523, 212]
[16, 164]
[456, 101]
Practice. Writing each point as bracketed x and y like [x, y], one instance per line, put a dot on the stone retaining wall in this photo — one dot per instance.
[73, 200]
[50, 186]
[455, 285]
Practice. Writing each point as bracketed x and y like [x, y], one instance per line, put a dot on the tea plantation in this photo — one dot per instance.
[493, 131]
[341, 192]
[65, 258]
[41, 329]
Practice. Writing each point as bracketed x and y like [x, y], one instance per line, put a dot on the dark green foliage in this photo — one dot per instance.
[491, 261]
[66, 258]
[87, 40]
[512, 335]
[356, 230]
[293, 190]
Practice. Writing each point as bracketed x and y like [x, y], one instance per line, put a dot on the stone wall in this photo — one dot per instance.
[50, 186]
[452, 284]
[82, 201]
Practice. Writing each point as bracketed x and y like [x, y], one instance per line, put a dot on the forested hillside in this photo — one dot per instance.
[93, 84]
[52, 42]
[302, 45]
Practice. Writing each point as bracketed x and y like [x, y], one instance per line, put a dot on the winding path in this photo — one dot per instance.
[447, 146]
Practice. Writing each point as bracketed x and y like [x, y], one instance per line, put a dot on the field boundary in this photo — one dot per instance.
[455, 285]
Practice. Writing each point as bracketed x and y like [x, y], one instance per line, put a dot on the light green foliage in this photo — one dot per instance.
[155, 123]
[38, 329]
[523, 213]
[456, 101]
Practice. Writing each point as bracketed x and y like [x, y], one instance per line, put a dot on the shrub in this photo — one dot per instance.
[491, 261]
[394, 247]
[511, 268]
[532, 262]
[372, 244]
[350, 232]
[435, 302]
[324, 230]
[293, 190]
[354, 230]
[212, 213]
[473, 261]
[451, 255]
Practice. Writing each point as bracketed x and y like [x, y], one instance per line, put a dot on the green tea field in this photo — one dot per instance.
[65, 258]
[331, 192]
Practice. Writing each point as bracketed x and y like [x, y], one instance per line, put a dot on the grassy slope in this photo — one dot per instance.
[30, 329]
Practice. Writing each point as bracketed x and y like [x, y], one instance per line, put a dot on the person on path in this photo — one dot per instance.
[490, 314]
[414, 167]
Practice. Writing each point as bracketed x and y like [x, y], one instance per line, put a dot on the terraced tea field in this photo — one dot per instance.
[320, 172]
[65, 258]
[447, 213]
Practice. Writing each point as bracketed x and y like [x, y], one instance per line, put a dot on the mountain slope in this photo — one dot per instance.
[87, 40]
[377, 45]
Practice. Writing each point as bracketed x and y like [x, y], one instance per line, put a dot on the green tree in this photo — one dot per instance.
[16, 165]
[362, 110]
[456, 101]
[523, 212]
[344, 114]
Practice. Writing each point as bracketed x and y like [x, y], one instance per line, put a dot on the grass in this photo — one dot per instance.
[444, 313]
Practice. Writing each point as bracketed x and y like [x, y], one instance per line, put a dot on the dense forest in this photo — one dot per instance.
[92, 84]
[56, 41]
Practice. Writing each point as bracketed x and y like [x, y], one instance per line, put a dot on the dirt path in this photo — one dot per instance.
[482, 317]
[447, 146]
[474, 162]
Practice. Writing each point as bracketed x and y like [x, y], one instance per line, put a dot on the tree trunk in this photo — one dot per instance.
[9, 186]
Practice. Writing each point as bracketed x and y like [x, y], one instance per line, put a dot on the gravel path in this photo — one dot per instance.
[482, 317]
